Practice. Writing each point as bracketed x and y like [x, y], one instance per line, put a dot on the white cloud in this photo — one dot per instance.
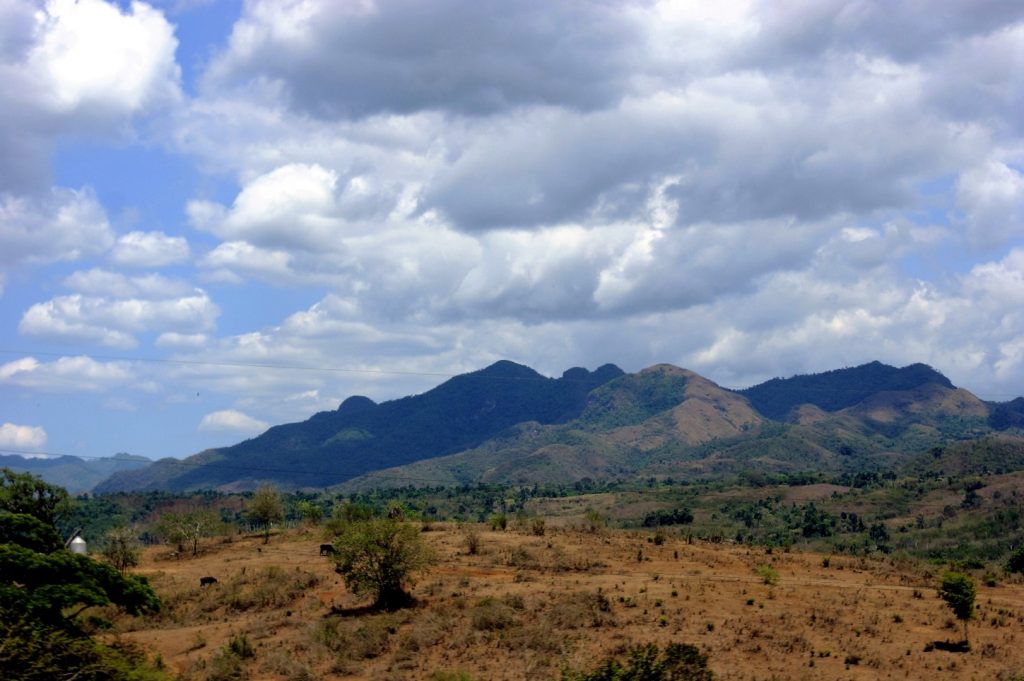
[992, 198]
[22, 437]
[78, 67]
[114, 322]
[231, 420]
[67, 374]
[99, 282]
[149, 249]
[90, 54]
[190, 341]
[64, 225]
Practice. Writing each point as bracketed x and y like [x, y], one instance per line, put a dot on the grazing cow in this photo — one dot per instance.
[327, 550]
[207, 581]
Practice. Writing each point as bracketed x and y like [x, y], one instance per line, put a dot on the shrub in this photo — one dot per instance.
[768, 574]
[1016, 561]
[472, 538]
[678, 662]
[491, 614]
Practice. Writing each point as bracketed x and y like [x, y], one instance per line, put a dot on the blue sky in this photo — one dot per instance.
[218, 216]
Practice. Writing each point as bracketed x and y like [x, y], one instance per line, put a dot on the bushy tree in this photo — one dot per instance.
[381, 557]
[265, 509]
[122, 548]
[44, 588]
[959, 591]
[311, 512]
[187, 528]
[1016, 561]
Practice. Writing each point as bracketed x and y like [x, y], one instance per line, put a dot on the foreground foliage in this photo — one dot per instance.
[44, 588]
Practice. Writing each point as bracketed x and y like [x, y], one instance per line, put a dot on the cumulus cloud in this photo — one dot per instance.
[62, 225]
[750, 189]
[100, 282]
[149, 249]
[78, 373]
[114, 317]
[22, 437]
[992, 199]
[231, 420]
[359, 59]
[76, 67]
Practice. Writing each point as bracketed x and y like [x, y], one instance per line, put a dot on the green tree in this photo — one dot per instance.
[29, 495]
[265, 509]
[122, 548]
[380, 557]
[1016, 560]
[311, 512]
[44, 588]
[959, 591]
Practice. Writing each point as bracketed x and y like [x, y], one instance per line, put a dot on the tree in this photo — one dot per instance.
[959, 591]
[27, 494]
[44, 588]
[121, 547]
[1016, 561]
[265, 509]
[380, 557]
[311, 512]
[186, 529]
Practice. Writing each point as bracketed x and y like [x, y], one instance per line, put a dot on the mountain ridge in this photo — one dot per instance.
[508, 423]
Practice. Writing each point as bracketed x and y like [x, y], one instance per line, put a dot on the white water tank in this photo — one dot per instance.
[78, 546]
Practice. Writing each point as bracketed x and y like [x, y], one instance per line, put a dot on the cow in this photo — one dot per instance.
[207, 581]
[327, 550]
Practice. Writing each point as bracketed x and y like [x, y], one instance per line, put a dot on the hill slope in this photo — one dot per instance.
[72, 473]
[838, 389]
[670, 422]
[361, 436]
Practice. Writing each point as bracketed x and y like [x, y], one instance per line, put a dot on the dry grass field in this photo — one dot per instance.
[526, 607]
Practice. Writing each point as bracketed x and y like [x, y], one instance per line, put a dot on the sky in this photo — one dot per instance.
[220, 216]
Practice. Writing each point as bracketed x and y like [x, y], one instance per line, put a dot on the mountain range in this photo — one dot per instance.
[509, 424]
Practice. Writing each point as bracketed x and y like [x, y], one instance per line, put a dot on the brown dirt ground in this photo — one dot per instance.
[525, 607]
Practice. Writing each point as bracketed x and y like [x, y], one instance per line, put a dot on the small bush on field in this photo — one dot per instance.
[450, 676]
[355, 640]
[581, 610]
[490, 614]
[768, 574]
[537, 527]
[241, 645]
[678, 662]
[472, 539]
[498, 522]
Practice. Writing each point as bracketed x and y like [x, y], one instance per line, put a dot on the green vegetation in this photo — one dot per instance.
[959, 592]
[380, 557]
[45, 589]
[122, 548]
[678, 662]
[835, 390]
[265, 509]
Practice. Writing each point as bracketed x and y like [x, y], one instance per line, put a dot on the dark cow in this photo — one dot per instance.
[207, 581]
[327, 550]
